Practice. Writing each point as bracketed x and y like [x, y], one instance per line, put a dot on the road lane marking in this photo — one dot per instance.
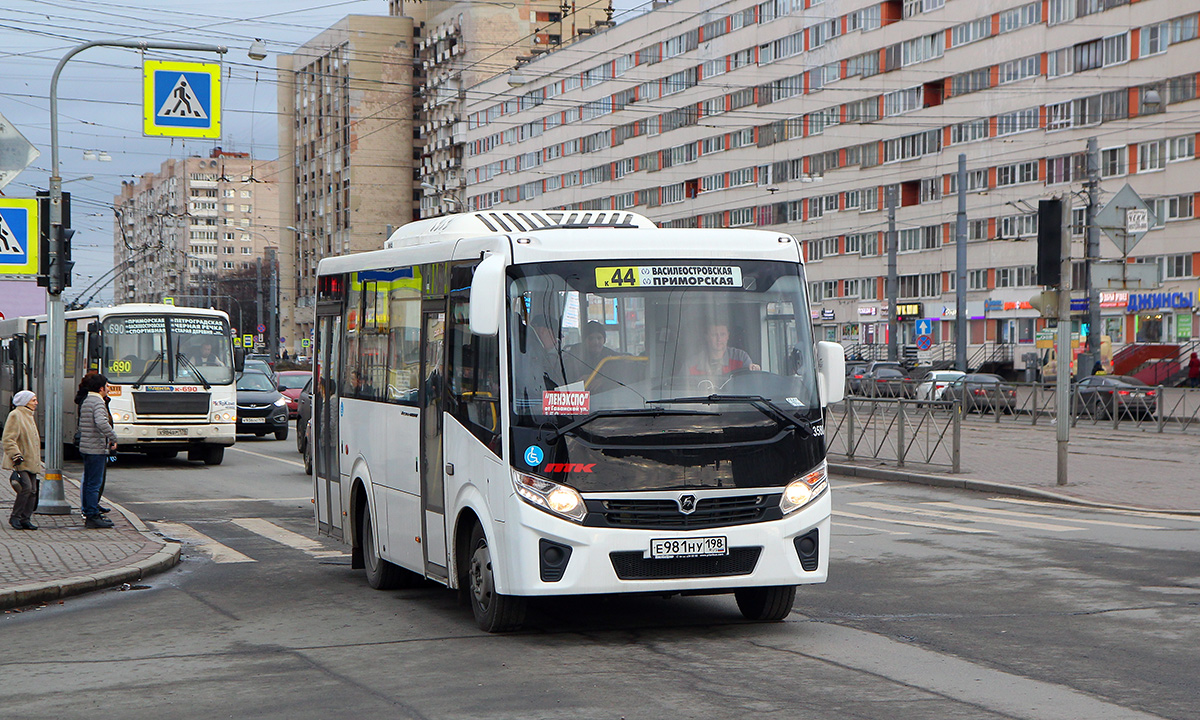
[841, 523]
[846, 486]
[213, 500]
[218, 552]
[271, 531]
[965, 518]
[268, 457]
[914, 523]
[1091, 508]
[1014, 513]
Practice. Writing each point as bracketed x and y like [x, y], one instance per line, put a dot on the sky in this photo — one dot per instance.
[99, 91]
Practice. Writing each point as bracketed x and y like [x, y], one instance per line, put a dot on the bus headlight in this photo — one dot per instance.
[222, 417]
[804, 489]
[550, 496]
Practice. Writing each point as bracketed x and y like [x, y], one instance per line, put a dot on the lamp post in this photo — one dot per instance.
[52, 500]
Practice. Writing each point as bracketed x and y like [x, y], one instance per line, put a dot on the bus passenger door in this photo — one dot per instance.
[433, 374]
[325, 438]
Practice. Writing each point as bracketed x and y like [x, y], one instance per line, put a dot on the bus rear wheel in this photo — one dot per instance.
[493, 612]
[766, 604]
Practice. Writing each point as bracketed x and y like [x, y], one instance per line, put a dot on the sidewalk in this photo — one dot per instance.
[1129, 468]
[63, 558]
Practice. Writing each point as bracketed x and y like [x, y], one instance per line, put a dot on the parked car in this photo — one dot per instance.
[308, 448]
[1096, 394]
[854, 375]
[932, 384]
[258, 365]
[303, 415]
[291, 383]
[261, 408]
[885, 381]
[981, 392]
[270, 361]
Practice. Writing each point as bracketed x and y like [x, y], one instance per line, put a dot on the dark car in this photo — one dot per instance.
[885, 381]
[303, 415]
[981, 392]
[257, 364]
[291, 384]
[261, 408]
[854, 375]
[1096, 396]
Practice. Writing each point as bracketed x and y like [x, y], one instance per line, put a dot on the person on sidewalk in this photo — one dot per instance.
[22, 458]
[96, 439]
[81, 395]
[1194, 371]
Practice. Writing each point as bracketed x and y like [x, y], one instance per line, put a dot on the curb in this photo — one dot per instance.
[989, 486]
[165, 558]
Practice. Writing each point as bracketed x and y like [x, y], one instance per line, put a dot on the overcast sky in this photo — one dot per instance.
[100, 90]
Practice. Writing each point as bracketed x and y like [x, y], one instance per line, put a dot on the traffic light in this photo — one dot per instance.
[57, 278]
[1046, 303]
[1049, 243]
[65, 264]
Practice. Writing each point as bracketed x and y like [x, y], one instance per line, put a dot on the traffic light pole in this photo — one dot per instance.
[52, 500]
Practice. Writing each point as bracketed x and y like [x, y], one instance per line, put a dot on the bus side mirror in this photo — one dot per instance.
[487, 295]
[95, 342]
[831, 372]
[239, 359]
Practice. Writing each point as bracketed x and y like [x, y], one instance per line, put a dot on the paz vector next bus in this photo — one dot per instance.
[539, 403]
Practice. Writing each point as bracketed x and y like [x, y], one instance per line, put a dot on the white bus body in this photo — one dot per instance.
[163, 398]
[452, 443]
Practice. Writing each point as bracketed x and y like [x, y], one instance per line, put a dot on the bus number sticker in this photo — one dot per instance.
[716, 276]
[556, 402]
[114, 390]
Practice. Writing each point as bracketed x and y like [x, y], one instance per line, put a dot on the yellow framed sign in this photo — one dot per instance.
[19, 237]
[181, 99]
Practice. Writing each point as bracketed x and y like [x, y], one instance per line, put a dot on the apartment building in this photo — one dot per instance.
[461, 44]
[195, 221]
[346, 153]
[805, 116]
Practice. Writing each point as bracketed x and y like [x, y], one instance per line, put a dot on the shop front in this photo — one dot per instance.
[1160, 317]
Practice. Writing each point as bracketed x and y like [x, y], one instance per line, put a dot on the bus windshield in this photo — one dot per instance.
[181, 349]
[679, 352]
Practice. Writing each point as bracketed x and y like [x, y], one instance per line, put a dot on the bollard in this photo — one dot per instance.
[1034, 408]
[1116, 411]
[900, 433]
[955, 449]
[996, 403]
[1159, 407]
[850, 428]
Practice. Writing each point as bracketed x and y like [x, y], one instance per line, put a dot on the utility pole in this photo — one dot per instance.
[273, 305]
[52, 500]
[258, 295]
[893, 280]
[960, 269]
[1092, 255]
[1062, 374]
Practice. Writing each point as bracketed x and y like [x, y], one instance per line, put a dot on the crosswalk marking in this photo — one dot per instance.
[268, 457]
[271, 531]
[841, 523]
[1113, 511]
[218, 552]
[942, 515]
[215, 500]
[915, 523]
[847, 486]
[1014, 513]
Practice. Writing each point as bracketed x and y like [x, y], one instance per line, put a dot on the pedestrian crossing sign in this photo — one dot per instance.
[19, 237]
[181, 99]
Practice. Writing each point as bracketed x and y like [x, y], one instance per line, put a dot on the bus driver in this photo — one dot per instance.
[717, 357]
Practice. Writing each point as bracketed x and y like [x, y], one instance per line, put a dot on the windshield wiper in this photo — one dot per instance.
[760, 403]
[192, 365]
[631, 412]
[149, 368]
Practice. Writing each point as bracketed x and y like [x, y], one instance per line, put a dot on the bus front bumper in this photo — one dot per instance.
[131, 436]
[609, 560]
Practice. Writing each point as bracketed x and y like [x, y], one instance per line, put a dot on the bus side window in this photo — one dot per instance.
[474, 375]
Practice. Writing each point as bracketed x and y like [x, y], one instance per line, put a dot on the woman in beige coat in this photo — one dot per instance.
[22, 458]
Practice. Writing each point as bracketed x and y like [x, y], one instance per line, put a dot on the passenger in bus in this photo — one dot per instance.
[22, 448]
[582, 360]
[360, 386]
[717, 357]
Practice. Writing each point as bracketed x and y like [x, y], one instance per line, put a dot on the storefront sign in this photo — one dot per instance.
[1183, 327]
[909, 310]
[1079, 305]
[993, 305]
[1160, 301]
[867, 311]
[826, 314]
[1114, 299]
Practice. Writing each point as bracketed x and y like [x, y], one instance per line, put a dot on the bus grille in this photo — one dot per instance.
[172, 403]
[633, 566]
[661, 513]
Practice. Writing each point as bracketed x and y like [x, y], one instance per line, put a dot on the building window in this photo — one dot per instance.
[977, 279]
[1151, 156]
[1181, 148]
[1112, 162]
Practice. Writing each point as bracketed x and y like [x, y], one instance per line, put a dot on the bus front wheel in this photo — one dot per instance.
[766, 604]
[214, 455]
[381, 574]
[493, 612]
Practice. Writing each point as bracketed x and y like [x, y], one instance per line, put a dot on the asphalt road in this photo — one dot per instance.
[940, 604]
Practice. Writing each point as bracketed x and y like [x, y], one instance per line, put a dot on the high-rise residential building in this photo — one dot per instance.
[806, 116]
[461, 44]
[195, 221]
[346, 153]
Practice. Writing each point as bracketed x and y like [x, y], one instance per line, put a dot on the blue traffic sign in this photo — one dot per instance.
[181, 99]
[18, 237]
[924, 326]
[924, 342]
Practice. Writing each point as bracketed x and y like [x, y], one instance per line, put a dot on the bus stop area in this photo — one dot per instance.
[62, 558]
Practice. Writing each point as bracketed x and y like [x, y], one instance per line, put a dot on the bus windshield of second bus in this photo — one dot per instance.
[162, 349]
[676, 375]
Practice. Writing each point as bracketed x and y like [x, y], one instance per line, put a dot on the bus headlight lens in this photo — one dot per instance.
[550, 496]
[804, 489]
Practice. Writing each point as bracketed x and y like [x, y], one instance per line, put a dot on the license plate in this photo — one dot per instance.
[172, 432]
[253, 421]
[665, 548]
